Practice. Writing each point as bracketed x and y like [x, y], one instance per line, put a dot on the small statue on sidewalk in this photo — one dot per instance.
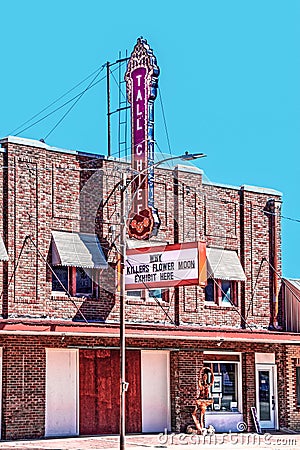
[205, 381]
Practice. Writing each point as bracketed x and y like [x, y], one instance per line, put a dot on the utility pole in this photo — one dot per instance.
[108, 107]
[121, 283]
[123, 383]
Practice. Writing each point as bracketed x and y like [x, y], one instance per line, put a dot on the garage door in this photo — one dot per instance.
[61, 392]
[155, 391]
[99, 391]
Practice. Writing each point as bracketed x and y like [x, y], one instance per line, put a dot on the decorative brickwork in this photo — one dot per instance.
[45, 189]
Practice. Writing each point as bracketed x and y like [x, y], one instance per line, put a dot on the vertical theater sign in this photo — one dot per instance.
[170, 265]
[141, 81]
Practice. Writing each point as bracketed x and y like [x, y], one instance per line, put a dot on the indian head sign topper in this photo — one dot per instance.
[141, 82]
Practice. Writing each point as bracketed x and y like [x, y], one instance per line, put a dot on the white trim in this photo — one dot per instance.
[264, 358]
[276, 397]
[240, 386]
[77, 391]
[39, 144]
[272, 369]
[261, 190]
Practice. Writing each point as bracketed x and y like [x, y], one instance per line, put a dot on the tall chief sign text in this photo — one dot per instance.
[141, 81]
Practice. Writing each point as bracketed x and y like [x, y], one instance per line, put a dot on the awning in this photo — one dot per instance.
[77, 250]
[224, 265]
[3, 252]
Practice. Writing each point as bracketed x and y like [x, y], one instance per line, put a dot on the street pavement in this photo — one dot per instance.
[171, 441]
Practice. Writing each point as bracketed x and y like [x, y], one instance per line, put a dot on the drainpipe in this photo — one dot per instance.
[270, 211]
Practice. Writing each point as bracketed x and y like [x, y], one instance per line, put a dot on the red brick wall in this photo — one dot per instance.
[24, 377]
[293, 411]
[48, 190]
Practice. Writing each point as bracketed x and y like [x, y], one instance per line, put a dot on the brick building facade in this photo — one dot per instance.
[60, 320]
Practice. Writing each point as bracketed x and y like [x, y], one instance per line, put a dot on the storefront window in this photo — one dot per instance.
[83, 282]
[224, 391]
[221, 292]
[210, 291]
[61, 279]
[76, 281]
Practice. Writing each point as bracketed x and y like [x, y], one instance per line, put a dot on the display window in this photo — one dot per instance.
[225, 389]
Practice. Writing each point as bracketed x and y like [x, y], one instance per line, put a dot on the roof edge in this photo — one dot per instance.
[39, 144]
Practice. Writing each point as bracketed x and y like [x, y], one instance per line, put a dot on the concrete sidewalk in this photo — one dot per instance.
[171, 441]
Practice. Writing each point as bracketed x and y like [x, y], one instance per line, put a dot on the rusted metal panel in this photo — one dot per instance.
[292, 304]
[99, 391]
[133, 398]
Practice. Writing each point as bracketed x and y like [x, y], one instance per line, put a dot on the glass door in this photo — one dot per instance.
[265, 396]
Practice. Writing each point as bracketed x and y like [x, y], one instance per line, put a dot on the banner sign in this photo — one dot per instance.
[166, 266]
[141, 81]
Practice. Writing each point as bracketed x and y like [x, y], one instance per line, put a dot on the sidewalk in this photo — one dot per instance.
[170, 441]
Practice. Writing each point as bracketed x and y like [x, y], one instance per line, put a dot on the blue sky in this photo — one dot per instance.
[230, 83]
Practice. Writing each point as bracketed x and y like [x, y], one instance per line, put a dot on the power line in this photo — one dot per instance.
[164, 119]
[53, 103]
[233, 305]
[158, 177]
[64, 104]
[58, 108]
[74, 104]
[118, 85]
[57, 278]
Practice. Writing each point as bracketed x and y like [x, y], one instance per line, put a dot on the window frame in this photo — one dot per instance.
[62, 291]
[144, 296]
[239, 386]
[72, 284]
[218, 293]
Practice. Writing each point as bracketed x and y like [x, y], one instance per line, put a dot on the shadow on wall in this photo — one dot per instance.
[97, 310]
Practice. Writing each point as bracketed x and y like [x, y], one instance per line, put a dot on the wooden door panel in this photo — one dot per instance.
[133, 395]
[87, 400]
[99, 391]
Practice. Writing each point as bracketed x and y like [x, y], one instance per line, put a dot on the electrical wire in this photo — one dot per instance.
[55, 101]
[58, 108]
[233, 305]
[64, 104]
[164, 119]
[73, 105]
[254, 288]
[57, 278]
[118, 85]
[16, 264]
[195, 191]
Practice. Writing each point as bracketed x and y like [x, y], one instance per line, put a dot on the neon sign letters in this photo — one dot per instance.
[141, 78]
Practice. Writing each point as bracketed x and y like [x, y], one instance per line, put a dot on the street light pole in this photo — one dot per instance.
[123, 384]
[121, 282]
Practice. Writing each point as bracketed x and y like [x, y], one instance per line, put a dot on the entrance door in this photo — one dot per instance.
[265, 395]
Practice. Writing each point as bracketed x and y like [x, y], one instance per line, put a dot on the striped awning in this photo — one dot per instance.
[3, 252]
[224, 265]
[77, 250]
